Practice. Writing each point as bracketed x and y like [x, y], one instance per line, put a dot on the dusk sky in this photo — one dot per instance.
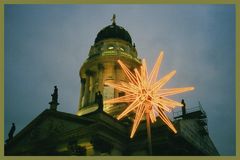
[45, 45]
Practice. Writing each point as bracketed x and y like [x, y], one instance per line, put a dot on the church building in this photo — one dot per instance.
[94, 129]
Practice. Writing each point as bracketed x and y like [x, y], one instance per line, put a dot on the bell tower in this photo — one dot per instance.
[113, 42]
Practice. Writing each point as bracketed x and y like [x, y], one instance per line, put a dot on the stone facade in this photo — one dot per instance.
[102, 66]
[98, 133]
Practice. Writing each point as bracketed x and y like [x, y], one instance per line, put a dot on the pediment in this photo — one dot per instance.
[49, 126]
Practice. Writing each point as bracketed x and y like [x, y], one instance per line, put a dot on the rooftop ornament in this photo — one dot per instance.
[114, 19]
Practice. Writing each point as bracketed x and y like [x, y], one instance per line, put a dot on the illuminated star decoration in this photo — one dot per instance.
[145, 94]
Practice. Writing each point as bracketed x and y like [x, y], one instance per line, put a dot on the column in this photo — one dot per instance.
[83, 80]
[100, 78]
[90, 89]
[86, 93]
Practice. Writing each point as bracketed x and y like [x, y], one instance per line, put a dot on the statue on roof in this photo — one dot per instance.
[11, 132]
[54, 101]
[55, 94]
[99, 101]
[183, 107]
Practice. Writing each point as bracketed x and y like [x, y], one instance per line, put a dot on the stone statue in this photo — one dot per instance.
[183, 102]
[99, 100]
[183, 107]
[55, 95]
[54, 103]
[11, 132]
[134, 45]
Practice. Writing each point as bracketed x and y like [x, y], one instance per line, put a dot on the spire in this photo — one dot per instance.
[113, 19]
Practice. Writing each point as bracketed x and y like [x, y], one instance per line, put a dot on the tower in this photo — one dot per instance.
[54, 132]
[113, 42]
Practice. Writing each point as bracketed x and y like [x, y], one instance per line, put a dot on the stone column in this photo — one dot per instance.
[83, 81]
[86, 93]
[90, 89]
[100, 78]
[117, 78]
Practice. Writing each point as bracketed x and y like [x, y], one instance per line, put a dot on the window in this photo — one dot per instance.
[122, 49]
[110, 47]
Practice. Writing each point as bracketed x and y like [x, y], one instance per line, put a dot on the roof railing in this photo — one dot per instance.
[177, 114]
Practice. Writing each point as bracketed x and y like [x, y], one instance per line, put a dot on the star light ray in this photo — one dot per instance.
[145, 95]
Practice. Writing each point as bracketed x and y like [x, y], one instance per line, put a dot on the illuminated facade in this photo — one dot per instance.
[94, 132]
[112, 43]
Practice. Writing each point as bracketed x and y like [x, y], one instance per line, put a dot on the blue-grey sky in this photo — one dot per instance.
[45, 45]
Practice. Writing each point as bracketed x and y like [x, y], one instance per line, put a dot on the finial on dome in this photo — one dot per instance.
[114, 19]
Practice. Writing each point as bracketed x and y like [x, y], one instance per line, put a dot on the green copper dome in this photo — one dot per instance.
[113, 31]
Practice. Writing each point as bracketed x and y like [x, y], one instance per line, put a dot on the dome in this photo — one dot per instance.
[113, 31]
